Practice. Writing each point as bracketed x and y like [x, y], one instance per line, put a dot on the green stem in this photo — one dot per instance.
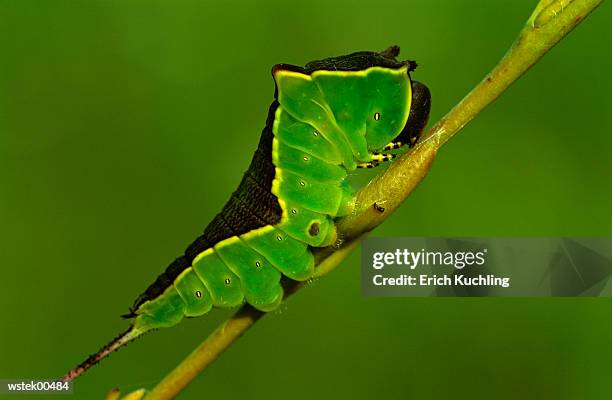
[227, 333]
[549, 23]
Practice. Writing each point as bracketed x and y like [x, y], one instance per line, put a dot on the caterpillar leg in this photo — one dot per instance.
[399, 144]
[393, 146]
[382, 157]
[347, 204]
[377, 159]
[368, 165]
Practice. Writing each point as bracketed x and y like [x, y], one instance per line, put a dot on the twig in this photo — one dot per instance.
[549, 23]
[225, 335]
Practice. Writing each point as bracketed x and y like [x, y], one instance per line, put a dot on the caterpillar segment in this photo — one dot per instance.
[327, 119]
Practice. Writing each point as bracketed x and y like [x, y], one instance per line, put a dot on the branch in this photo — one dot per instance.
[550, 22]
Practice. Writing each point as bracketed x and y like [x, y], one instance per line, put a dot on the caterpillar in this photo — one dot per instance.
[327, 119]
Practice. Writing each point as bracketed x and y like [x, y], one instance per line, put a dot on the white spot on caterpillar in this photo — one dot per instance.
[198, 294]
[376, 116]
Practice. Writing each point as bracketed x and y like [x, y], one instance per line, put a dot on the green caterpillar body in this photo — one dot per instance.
[327, 119]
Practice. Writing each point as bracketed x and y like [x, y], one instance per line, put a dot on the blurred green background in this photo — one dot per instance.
[125, 126]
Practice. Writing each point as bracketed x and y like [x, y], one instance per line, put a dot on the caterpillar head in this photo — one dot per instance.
[361, 101]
